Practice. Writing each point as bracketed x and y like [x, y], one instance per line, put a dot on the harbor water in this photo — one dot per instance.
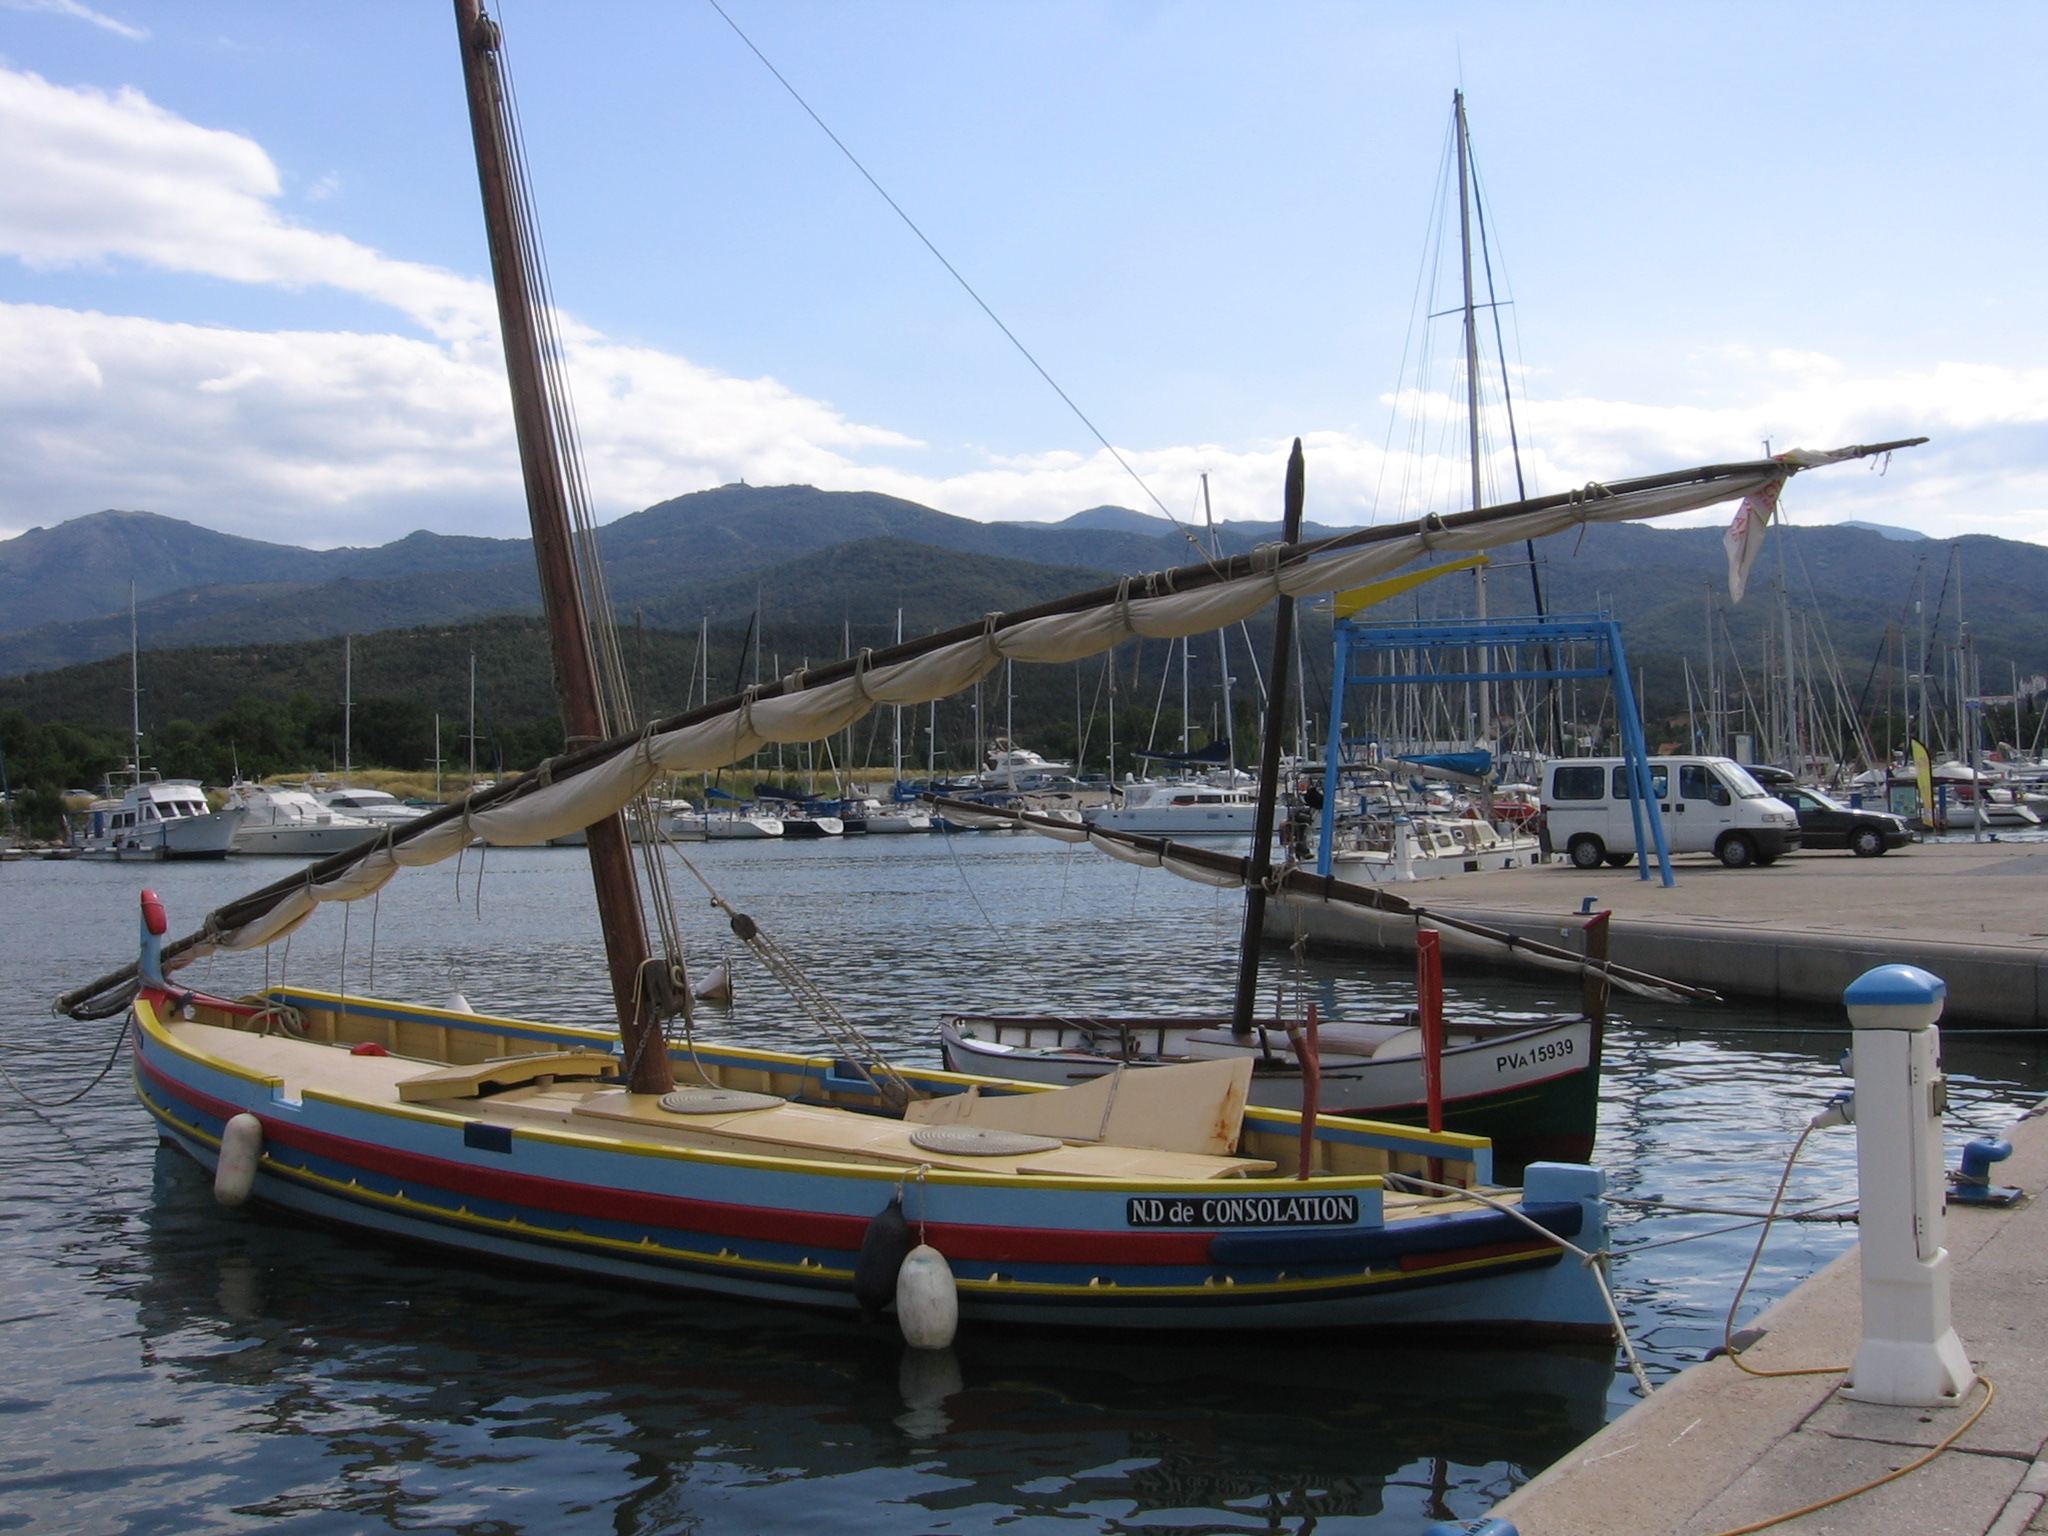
[170, 1366]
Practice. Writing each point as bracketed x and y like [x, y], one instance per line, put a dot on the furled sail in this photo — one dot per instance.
[584, 786]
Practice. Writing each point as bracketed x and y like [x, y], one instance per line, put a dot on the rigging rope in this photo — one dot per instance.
[1596, 1262]
[967, 287]
[615, 694]
[861, 1052]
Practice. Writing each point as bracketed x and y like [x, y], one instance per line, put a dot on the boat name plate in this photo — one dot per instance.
[1245, 1211]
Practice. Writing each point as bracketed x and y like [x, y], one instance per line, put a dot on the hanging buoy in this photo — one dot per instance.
[716, 986]
[927, 1301]
[241, 1148]
[457, 1003]
[882, 1249]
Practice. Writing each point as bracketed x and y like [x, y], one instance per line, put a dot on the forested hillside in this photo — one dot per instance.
[246, 673]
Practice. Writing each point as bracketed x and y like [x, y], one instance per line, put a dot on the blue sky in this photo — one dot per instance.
[240, 254]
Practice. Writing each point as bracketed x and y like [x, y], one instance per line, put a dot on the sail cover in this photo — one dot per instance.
[572, 792]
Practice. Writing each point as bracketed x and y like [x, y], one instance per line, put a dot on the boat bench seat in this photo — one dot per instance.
[468, 1082]
[807, 1130]
[1197, 1107]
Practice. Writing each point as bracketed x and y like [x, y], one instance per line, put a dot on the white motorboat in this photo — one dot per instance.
[1019, 768]
[158, 819]
[876, 817]
[367, 804]
[1423, 847]
[722, 826]
[1179, 808]
[291, 823]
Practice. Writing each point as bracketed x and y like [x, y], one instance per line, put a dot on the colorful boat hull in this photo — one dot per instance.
[1063, 1251]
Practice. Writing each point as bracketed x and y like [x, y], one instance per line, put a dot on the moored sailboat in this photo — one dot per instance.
[1142, 1200]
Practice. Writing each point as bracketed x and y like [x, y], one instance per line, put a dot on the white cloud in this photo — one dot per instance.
[357, 437]
[87, 178]
[84, 13]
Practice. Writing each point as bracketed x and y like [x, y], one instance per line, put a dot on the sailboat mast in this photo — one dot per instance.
[1260, 864]
[547, 501]
[134, 688]
[1472, 390]
[1222, 635]
[896, 743]
[348, 707]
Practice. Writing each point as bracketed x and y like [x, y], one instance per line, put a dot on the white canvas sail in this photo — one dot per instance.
[562, 796]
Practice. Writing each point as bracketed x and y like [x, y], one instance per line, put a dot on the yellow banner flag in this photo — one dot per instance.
[1358, 599]
[1923, 772]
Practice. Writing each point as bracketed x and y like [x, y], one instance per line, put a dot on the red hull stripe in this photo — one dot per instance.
[813, 1229]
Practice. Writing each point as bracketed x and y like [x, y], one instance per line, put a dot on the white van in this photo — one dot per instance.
[1718, 808]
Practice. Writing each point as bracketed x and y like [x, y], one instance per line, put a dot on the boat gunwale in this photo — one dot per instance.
[1454, 1146]
[1349, 1060]
[899, 1173]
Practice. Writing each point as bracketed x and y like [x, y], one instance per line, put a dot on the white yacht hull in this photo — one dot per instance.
[1178, 820]
[723, 828]
[286, 840]
[189, 837]
[892, 822]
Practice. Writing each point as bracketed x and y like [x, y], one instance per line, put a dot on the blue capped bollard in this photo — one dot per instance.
[1973, 1184]
[1910, 1355]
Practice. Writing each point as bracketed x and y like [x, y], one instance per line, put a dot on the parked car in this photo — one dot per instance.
[1717, 808]
[1824, 822]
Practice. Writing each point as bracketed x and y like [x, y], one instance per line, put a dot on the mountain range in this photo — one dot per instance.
[803, 556]
[64, 591]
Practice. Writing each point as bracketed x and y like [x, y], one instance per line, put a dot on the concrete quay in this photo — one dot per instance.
[1975, 914]
[1716, 1450]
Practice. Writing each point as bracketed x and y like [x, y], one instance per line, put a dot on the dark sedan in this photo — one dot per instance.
[1824, 822]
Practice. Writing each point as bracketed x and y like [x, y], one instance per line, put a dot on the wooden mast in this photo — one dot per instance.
[547, 503]
[1260, 864]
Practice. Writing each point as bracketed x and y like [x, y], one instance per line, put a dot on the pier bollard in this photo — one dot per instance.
[1909, 1355]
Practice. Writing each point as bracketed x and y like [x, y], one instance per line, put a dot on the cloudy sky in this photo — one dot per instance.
[241, 264]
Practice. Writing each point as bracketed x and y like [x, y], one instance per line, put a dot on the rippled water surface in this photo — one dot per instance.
[169, 1366]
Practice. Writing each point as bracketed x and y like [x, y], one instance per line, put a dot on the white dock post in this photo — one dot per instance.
[1404, 861]
[1910, 1355]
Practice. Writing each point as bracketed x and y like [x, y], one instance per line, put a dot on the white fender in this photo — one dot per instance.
[457, 1003]
[927, 1300]
[241, 1148]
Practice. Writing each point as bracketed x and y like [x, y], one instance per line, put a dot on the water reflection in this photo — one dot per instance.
[320, 1373]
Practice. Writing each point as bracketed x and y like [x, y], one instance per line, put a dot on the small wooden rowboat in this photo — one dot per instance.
[1143, 1200]
[1532, 1089]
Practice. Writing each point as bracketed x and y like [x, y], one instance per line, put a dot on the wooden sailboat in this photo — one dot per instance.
[1143, 1200]
[1530, 1088]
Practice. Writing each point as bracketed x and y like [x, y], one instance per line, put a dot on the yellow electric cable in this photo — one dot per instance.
[1728, 1338]
[1990, 1393]
[1756, 1254]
